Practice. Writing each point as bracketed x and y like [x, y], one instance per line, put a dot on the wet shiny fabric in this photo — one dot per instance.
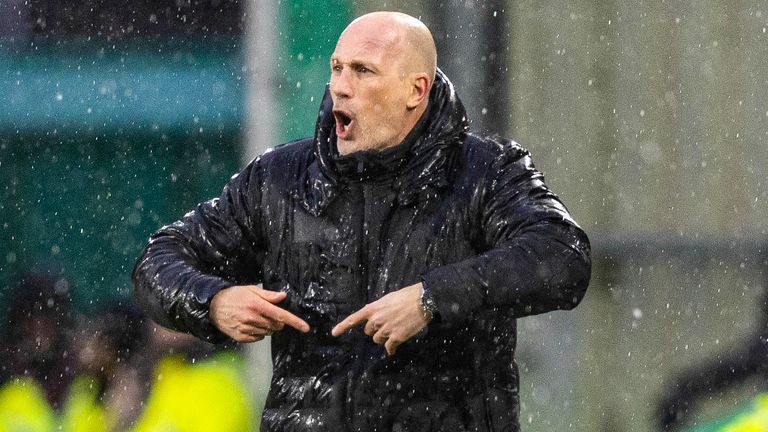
[470, 216]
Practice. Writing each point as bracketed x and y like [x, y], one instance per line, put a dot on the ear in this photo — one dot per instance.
[418, 89]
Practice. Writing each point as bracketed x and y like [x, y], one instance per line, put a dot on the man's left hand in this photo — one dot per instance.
[390, 320]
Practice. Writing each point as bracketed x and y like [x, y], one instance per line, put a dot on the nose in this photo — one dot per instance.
[340, 84]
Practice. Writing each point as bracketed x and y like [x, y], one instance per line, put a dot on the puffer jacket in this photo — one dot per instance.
[469, 216]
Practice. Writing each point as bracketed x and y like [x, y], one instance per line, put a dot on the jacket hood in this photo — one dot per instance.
[423, 160]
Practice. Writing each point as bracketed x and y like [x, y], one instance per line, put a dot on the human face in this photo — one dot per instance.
[369, 90]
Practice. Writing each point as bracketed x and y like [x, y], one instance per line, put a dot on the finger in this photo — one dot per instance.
[246, 338]
[258, 320]
[380, 337]
[283, 316]
[253, 338]
[371, 327]
[273, 297]
[255, 331]
[350, 321]
[391, 346]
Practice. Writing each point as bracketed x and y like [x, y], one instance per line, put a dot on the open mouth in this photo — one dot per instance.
[343, 123]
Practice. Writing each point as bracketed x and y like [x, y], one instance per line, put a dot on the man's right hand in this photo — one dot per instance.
[247, 313]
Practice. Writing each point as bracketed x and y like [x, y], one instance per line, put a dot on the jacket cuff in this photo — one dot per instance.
[196, 317]
[457, 297]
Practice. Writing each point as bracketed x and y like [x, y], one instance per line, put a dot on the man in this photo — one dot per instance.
[389, 255]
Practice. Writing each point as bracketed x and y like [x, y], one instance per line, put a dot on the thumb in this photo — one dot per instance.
[273, 297]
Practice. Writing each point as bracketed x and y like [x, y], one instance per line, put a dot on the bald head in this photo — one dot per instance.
[407, 39]
[382, 71]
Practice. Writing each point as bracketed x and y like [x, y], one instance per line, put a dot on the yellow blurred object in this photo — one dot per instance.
[83, 409]
[755, 420]
[211, 395]
[23, 407]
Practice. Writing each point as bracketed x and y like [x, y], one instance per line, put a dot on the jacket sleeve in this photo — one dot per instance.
[217, 245]
[536, 258]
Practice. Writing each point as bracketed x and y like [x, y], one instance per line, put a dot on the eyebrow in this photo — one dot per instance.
[354, 63]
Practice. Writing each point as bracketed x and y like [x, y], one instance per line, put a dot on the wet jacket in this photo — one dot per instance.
[468, 216]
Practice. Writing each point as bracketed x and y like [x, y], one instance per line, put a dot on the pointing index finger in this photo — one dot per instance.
[350, 321]
[283, 316]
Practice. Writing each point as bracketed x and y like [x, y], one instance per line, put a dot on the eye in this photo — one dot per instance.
[363, 69]
[336, 68]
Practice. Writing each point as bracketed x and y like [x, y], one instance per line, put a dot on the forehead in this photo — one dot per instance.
[365, 42]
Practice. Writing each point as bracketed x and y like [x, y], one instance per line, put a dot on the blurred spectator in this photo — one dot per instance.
[193, 386]
[33, 371]
[106, 393]
[112, 371]
[23, 407]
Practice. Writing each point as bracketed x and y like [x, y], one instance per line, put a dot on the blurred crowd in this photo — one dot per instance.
[111, 371]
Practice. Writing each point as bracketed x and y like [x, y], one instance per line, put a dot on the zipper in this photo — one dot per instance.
[366, 243]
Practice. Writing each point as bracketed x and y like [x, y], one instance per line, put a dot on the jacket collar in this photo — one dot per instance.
[422, 161]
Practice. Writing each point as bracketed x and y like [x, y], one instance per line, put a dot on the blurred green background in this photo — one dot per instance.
[649, 119]
[100, 146]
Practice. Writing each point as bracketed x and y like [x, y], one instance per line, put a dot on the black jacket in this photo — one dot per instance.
[469, 216]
